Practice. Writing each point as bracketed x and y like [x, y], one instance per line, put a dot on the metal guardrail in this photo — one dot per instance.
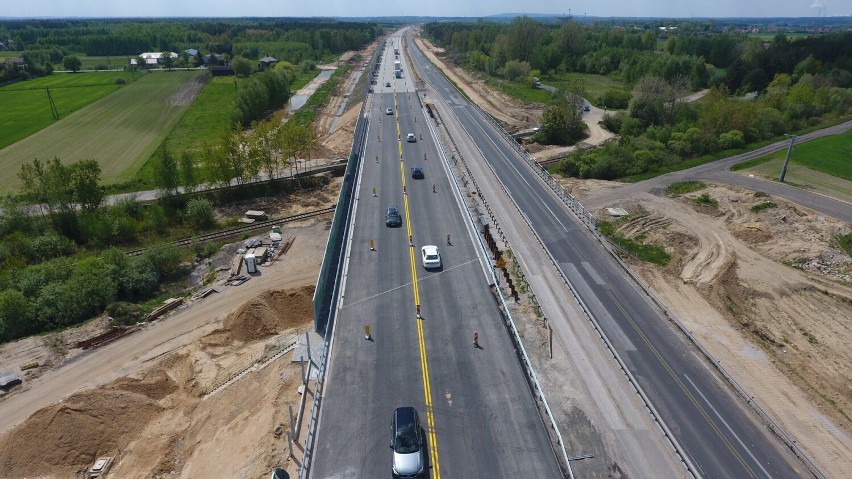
[590, 222]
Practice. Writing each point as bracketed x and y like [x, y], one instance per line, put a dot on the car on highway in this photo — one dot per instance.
[411, 138]
[389, 111]
[387, 84]
[407, 443]
[392, 217]
[417, 173]
[431, 256]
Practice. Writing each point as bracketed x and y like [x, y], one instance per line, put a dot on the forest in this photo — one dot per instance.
[760, 88]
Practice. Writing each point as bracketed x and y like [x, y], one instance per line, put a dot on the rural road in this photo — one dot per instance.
[720, 171]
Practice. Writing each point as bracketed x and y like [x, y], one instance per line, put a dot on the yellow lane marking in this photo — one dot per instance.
[424, 363]
[683, 388]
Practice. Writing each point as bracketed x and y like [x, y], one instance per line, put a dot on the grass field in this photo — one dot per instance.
[120, 130]
[822, 164]
[26, 108]
[592, 85]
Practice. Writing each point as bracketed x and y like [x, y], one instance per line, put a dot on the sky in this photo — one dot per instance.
[441, 8]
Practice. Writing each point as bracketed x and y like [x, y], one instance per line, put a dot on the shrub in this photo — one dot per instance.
[15, 315]
[615, 99]
[32, 279]
[49, 246]
[845, 242]
[732, 139]
[120, 81]
[199, 213]
[165, 260]
[137, 281]
[706, 200]
[124, 314]
[762, 206]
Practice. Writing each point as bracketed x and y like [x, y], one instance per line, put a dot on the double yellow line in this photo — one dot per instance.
[424, 363]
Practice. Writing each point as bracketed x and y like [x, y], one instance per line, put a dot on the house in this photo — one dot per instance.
[191, 52]
[152, 59]
[213, 59]
[266, 62]
[17, 62]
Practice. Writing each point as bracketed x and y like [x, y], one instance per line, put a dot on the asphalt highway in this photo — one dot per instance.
[476, 408]
[718, 433]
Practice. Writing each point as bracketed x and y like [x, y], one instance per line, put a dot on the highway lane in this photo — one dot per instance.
[475, 405]
[719, 435]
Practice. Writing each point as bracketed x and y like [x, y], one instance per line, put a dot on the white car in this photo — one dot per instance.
[431, 256]
[275, 234]
[389, 111]
[411, 138]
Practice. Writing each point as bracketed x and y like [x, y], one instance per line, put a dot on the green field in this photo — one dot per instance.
[120, 130]
[26, 108]
[90, 63]
[593, 85]
[822, 165]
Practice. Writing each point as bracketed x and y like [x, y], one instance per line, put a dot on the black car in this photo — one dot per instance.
[407, 444]
[392, 217]
[417, 173]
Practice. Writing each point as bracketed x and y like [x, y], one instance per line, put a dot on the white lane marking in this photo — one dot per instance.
[405, 285]
[742, 444]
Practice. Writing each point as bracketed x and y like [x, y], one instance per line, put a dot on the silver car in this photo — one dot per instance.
[407, 444]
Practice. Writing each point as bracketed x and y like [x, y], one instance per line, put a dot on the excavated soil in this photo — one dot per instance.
[156, 423]
[769, 294]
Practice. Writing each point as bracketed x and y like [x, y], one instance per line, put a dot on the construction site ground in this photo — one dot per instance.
[767, 293]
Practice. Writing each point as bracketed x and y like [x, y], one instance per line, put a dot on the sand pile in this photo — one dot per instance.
[67, 437]
[267, 314]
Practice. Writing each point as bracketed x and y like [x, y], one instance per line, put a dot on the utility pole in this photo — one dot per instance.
[787, 158]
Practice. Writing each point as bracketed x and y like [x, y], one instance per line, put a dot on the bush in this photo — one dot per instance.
[199, 213]
[49, 246]
[732, 139]
[845, 242]
[137, 281]
[15, 315]
[615, 99]
[120, 81]
[706, 200]
[32, 279]
[125, 314]
[165, 260]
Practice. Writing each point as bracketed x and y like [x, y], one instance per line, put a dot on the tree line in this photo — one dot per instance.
[630, 52]
[45, 43]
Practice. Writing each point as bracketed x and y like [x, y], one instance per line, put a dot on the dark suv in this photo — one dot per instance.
[407, 444]
[392, 217]
[417, 173]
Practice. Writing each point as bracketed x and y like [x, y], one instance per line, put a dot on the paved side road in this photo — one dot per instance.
[720, 171]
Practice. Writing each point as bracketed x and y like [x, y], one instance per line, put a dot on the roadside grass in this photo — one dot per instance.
[845, 242]
[308, 113]
[683, 187]
[120, 131]
[26, 108]
[635, 247]
[98, 62]
[828, 155]
[706, 200]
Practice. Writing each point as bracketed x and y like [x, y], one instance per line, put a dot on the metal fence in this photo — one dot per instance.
[328, 283]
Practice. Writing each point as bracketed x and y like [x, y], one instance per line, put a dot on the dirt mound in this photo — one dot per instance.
[266, 315]
[156, 385]
[69, 436]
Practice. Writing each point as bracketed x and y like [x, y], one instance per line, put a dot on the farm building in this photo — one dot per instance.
[152, 59]
[266, 62]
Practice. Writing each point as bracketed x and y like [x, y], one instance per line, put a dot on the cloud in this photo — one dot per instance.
[818, 4]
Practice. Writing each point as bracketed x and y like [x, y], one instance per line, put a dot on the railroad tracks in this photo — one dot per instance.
[244, 229]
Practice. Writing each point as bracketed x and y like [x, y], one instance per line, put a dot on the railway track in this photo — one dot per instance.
[244, 229]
